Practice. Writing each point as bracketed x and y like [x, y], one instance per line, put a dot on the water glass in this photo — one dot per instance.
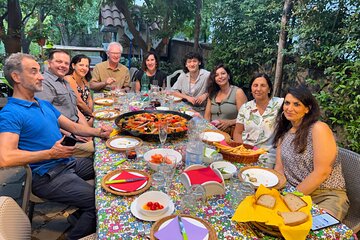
[131, 154]
[187, 204]
[199, 195]
[158, 181]
[163, 128]
[238, 192]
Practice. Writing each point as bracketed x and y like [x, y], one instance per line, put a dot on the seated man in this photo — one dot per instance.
[111, 73]
[58, 92]
[30, 134]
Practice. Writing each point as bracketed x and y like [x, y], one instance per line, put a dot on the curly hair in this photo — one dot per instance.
[192, 55]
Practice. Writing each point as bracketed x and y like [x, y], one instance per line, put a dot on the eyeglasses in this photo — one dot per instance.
[115, 53]
[219, 111]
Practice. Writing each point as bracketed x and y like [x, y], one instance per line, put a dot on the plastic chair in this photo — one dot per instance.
[351, 168]
[169, 79]
[14, 224]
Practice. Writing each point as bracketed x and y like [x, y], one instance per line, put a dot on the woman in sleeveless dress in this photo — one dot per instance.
[224, 100]
[78, 77]
[307, 153]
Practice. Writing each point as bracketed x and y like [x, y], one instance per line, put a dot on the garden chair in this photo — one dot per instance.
[351, 168]
[171, 79]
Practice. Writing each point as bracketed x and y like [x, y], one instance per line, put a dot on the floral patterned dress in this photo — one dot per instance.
[258, 129]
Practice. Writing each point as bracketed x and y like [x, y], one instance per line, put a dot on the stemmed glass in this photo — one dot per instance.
[163, 128]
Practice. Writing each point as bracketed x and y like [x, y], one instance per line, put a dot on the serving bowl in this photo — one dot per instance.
[153, 196]
[226, 169]
[174, 156]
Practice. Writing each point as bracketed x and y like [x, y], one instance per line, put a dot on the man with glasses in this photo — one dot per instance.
[110, 73]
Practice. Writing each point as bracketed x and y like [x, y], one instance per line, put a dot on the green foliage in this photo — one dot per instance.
[245, 36]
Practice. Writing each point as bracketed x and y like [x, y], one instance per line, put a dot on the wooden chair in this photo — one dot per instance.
[351, 169]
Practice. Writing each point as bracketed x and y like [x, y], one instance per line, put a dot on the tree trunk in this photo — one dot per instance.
[281, 46]
[124, 8]
[198, 4]
[12, 41]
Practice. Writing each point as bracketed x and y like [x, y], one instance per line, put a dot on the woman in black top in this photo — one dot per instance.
[149, 72]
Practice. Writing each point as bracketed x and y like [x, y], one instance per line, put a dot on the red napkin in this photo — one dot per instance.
[202, 175]
[129, 186]
[223, 142]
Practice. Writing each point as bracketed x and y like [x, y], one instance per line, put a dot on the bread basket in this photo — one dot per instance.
[234, 157]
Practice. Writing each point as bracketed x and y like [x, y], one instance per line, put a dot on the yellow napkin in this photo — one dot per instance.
[249, 211]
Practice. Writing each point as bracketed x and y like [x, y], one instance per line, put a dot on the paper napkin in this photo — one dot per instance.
[129, 186]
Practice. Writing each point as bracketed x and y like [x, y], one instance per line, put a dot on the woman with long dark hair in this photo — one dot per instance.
[307, 152]
[255, 122]
[224, 99]
[79, 76]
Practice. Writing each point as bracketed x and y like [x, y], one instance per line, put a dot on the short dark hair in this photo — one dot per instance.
[303, 94]
[192, 55]
[213, 86]
[146, 56]
[13, 63]
[76, 59]
[267, 78]
[52, 52]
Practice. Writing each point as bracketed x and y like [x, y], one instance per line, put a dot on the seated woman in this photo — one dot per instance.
[224, 100]
[191, 85]
[306, 152]
[256, 119]
[78, 77]
[149, 73]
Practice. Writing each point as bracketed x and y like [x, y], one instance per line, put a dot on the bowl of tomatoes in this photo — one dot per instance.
[155, 157]
[153, 203]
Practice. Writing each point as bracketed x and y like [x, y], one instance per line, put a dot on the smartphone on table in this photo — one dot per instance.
[69, 141]
[322, 221]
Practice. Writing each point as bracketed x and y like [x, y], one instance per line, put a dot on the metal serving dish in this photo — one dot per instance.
[149, 136]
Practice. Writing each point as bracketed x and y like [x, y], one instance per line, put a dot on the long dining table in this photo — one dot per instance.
[114, 217]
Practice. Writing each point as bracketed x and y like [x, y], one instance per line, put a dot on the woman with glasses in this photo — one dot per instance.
[224, 100]
[256, 119]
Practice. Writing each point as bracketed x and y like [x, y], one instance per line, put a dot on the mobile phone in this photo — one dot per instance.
[68, 141]
[323, 220]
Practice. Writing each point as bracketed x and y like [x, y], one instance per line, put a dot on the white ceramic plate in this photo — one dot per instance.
[262, 176]
[135, 211]
[107, 114]
[228, 168]
[104, 101]
[120, 190]
[136, 104]
[191, 220]
[124, 142]
[212, 136]
[190, 113]
[177, 99]
[164, 152]
[162, 108]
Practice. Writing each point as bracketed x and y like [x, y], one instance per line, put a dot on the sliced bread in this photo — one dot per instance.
[293, 202]
[293, 218]
[267, 201]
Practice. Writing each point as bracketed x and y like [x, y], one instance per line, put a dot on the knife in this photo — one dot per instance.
[126, 180]
[182, 229]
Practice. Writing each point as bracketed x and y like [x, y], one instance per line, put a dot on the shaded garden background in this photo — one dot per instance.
[319, 42]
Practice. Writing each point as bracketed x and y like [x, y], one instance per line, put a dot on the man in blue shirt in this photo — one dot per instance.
[30, 134]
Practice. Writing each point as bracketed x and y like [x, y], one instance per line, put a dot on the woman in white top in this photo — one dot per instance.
[255, 122]
[191, 85]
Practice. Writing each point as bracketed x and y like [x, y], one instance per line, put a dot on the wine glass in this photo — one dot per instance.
[163, 127]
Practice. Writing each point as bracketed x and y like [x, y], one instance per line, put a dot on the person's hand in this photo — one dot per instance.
[59, 151]
[200, 99]
[224, 124]
[110, 80]
[83, 139]
[105, 131]
[190, 100]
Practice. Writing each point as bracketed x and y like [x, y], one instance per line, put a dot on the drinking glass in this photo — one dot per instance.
[163, 127]
[158, 181]
[187, 204]
[199, 195]
[131, 154]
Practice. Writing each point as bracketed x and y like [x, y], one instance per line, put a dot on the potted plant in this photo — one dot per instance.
[39, 34]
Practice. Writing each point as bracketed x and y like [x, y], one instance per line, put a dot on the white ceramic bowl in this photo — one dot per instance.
[153, 196]
[172, 154]
[162, 108]
[228, 168]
